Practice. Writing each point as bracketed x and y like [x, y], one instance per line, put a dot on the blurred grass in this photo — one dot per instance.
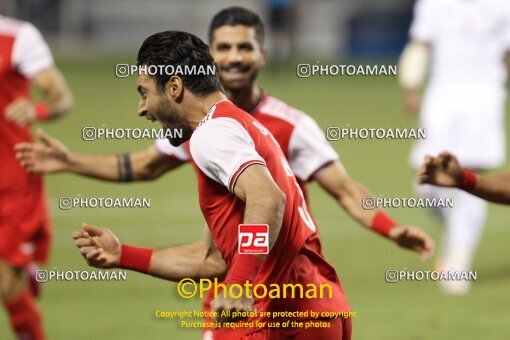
[125, 310]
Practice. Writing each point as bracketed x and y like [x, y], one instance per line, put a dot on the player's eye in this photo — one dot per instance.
[246, 47]
[222, 47]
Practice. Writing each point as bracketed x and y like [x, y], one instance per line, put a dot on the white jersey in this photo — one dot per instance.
[463, 108]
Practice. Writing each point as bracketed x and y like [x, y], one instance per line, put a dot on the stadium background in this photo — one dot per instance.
[90, 38]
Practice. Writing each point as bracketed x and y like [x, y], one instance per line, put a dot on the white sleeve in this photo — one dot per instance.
[179, 152]
[308, 149]
[222, 149]
[30, 53]
[424, 21]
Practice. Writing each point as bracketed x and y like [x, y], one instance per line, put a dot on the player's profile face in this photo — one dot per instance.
[238, 55]
[155, 105]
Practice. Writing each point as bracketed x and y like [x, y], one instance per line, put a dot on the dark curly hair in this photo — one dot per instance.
[180, 49]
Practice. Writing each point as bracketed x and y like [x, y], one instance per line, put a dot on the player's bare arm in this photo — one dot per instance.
[102, 249]
[445, 170]
[349, 193]
[51, 156]
[412, 72]
[56, 95]
[265, 204]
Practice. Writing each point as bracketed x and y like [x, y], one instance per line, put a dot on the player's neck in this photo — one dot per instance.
[200, 107]
[246, 99]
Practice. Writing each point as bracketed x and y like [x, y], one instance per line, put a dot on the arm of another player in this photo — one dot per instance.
[350, 195]
[57, 99]
[412, 72]
[51, 156]
[413, 63]
[102, 249]
[31, 57]
[445, 170]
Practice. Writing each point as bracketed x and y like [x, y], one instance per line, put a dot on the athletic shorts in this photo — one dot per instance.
[25, 230]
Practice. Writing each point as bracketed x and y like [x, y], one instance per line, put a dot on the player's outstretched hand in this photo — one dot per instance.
[221, 303]
[46, 157]
[443, 170]
[99, 246]
[414, 239]
[20, 111]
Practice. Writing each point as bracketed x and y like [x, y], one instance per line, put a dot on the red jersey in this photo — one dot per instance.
[227, 142]
[23, 54]
[24, 228]
[303, 144]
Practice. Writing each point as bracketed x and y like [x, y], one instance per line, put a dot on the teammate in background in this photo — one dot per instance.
[237, 44]
[445, 170]
[25, 60]
[463, 109]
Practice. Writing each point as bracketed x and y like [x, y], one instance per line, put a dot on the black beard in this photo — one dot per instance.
[170, 120]
[177, 140]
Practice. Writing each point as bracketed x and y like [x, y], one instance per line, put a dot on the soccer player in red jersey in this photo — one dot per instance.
[25, 60]
[243, 177]
[444, 170]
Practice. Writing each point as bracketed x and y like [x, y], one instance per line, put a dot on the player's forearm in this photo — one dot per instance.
[350, 197]
[60, 103]
[494, 188]
[126, 167]
[55, 91]
[103, 167]
[187, 261]
[266, 208]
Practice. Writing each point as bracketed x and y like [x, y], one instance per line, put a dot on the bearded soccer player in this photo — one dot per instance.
[25, 60]
[237, 37]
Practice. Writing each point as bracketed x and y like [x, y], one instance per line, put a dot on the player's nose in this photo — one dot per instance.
[235, 57]
[142, 110]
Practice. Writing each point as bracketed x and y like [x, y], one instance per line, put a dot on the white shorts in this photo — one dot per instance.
[469, 126]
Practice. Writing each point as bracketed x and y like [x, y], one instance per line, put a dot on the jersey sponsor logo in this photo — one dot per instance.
[253, 239]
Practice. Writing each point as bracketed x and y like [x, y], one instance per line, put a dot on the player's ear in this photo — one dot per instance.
[174, 88]
[263, 51]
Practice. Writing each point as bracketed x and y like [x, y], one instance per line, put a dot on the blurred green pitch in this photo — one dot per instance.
[125, 310]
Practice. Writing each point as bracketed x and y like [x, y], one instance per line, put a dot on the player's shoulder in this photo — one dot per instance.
[222, 120]
[277, 108]
[14, 27]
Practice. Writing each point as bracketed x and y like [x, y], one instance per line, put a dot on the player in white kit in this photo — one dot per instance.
[466, 42]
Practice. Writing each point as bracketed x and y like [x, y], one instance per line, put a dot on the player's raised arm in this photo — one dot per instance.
[102, 249]
[51, 156]
[350, 194]
[445, 170]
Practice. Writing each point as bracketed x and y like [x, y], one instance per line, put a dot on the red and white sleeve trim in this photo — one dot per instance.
[233, 179]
